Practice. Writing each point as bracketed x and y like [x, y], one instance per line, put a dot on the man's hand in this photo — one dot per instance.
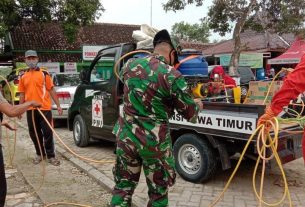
[7, 125]
[267, 116]
[35, 104]
[199, 103]
[59, 109]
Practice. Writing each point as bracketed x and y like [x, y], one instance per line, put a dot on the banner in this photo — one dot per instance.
[70, 67]
[254, 60]
[97, 112]
[226, 122]
[90, 51]
[280, 61]
[52, 67]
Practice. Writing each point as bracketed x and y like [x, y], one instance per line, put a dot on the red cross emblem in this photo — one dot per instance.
[97, 109]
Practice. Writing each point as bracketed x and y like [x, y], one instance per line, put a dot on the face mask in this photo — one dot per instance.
[31, 63]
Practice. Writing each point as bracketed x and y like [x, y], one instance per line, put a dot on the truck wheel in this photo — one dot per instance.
[80, 132]
[195, 158]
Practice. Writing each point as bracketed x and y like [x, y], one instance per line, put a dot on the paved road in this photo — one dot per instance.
[19, 191]
[239, 194]
[65, 183]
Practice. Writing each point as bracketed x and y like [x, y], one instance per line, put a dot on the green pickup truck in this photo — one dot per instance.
[222, 129]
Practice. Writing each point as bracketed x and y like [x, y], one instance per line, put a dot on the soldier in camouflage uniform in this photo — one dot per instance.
[152, 90]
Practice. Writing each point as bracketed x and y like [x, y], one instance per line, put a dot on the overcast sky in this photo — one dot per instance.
[139, 12]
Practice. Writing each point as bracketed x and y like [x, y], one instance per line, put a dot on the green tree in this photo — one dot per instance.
[8, 14]
[3, 29]
[192, 32]
[270, 16]
[72, 13]
[176, 5]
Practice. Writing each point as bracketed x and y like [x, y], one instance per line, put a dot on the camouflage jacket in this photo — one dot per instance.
[152, 91]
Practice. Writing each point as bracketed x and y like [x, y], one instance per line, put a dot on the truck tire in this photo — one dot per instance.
[195, 158]
[80, 132]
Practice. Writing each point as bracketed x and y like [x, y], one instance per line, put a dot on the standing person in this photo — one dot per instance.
[153, 89]
[36, 85]
[294, 84]
[11, 111]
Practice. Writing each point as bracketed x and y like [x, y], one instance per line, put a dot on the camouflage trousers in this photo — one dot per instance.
[158, 165]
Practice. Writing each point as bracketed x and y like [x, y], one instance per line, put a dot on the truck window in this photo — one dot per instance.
[95, 76]
[103, 70]
[120, 84]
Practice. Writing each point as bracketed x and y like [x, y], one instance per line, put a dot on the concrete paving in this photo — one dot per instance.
[47, 184]
[19, 191]
[183, 193]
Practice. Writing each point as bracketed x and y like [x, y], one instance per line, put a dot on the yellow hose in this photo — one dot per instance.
[43, 172]
[10, 155]
[273, 142]
[68, 148]
[263, 138]
[273, 80]
[262, 145]
[65, 203]
[115, 68]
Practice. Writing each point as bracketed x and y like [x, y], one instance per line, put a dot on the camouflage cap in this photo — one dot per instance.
[30, 53]
[163, 36]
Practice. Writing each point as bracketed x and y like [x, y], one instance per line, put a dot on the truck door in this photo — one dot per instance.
[102, 109]
[102, 115]
[98, 94]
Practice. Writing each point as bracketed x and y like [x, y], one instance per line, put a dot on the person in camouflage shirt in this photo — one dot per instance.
[152, 91]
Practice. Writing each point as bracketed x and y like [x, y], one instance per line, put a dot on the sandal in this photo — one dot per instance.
[54, 161]
[37, 160]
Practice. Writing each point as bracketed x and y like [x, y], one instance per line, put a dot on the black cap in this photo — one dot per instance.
[163, 36]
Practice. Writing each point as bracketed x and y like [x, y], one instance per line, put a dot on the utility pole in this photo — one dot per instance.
[150, 12]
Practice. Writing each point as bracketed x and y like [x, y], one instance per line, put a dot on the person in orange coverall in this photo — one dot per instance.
[293, 85]
[220, 71]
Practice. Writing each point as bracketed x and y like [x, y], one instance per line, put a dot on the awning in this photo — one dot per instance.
[292, 56]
